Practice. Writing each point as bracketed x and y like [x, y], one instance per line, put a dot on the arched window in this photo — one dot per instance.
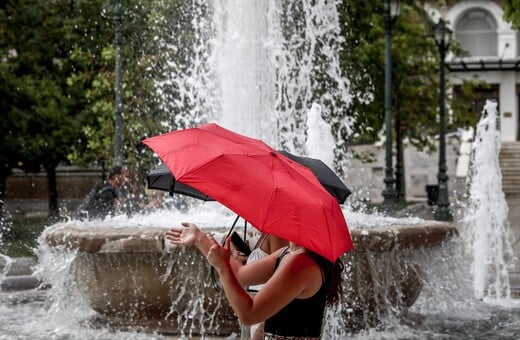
[476, 32]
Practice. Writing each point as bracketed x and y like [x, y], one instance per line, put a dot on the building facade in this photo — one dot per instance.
[492, 57]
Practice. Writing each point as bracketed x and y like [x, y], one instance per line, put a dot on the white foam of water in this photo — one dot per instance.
[320, 142]
[359, 219]
[212, 214]
[205, 215]
[7, 265]
[254, 66]
[486, 226]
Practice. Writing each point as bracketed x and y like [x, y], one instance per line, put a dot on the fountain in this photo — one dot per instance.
[119, 272]
[260, 70]
[132, 279]
[486, 228]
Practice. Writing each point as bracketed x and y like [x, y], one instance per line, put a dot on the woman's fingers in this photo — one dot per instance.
[227, 244]
[218, 256]
[188, 225]
[174, 235]
[212, 240]
[186, 234]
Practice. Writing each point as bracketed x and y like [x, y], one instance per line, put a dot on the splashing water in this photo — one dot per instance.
[486, 227]
[6, 262]
[320, 142]
[254, 68]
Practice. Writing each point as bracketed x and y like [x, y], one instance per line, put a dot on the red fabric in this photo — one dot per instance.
[272, 192]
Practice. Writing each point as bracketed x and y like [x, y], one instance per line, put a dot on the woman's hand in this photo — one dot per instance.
[218, 256]
[187, 235]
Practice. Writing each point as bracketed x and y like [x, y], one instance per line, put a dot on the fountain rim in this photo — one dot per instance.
[92, 239]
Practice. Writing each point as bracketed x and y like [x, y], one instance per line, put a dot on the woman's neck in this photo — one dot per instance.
[293, 248]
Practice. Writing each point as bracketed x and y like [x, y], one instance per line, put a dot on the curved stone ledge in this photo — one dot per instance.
[396, 237]
[107, 240]
[151, 240]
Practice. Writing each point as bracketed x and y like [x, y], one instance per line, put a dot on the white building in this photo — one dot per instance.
[493, 58]
[493, 49]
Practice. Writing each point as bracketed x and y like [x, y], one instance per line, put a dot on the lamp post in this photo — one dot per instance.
[442, 38]
[118, 119]
[399, 178]
[391, 11]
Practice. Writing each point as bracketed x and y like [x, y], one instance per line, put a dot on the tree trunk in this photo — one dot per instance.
[400, 185]
[3, 179]
[53, 191]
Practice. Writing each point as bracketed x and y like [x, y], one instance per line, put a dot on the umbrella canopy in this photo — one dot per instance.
[161, 178]
[275, 194]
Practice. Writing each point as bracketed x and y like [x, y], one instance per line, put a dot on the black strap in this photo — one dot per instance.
[172, 186]
[284, 252]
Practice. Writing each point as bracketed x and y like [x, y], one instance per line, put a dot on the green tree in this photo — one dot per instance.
[57, 91]
[414, 69]
[9, 125]
[93, 54]
[415, 73]
[512, 12]
[37, 104]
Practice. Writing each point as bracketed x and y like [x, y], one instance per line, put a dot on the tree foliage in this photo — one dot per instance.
[57, 75]
[37, 102]
[57, 89]
[512, 12]
[415, 70]
[94, 75]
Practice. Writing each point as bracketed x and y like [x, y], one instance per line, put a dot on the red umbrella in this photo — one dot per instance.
[272, 192]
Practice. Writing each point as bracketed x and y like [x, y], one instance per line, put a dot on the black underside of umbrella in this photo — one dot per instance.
[330, 181]
[161, 178]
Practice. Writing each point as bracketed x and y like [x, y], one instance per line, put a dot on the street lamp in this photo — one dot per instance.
[391, 11]
[118, 119]
[442, 38]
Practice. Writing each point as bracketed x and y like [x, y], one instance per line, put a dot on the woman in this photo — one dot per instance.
[298, 284]
[266, 244]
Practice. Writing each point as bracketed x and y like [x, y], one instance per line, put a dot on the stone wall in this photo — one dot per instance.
[26, 193]
[366, 174]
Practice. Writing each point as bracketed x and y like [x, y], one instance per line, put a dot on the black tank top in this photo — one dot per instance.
[301, 317]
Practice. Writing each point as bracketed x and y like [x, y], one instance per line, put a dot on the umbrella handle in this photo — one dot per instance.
[230, 230]
[214, 280]
[172, 186]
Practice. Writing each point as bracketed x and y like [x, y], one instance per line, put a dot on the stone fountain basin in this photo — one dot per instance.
[131, 279]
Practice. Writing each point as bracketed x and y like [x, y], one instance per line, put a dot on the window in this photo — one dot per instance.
[476, 32]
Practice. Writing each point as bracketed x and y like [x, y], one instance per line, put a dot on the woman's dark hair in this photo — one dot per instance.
[333, 275]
